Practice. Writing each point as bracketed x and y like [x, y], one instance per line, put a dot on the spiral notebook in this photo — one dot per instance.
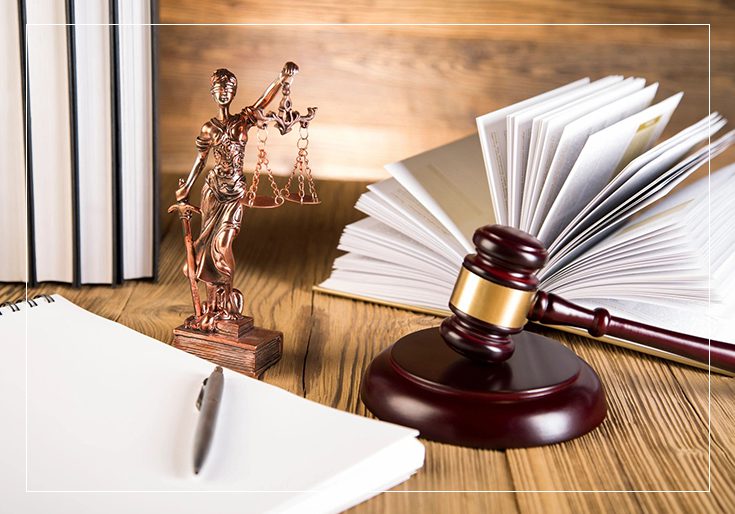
[110, 421]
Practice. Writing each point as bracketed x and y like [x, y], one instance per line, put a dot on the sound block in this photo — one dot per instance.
[542, 394]
[237, 345]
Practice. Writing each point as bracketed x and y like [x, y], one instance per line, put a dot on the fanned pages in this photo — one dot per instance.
[582, 168]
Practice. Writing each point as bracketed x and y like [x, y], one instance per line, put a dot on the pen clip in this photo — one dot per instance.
[201, 394]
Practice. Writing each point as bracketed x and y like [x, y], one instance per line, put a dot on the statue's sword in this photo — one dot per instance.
[185, 210]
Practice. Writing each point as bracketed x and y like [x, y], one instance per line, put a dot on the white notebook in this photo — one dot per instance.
[111, 419]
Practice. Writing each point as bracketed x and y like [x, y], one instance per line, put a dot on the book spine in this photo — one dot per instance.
[31, 276]
[74, 144]
[117, 247]
[154, 139]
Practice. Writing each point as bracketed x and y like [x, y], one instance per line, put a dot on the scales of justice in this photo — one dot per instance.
[218, 330]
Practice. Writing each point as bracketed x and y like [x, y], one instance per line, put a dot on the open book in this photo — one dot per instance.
[102, 419]
[579, 167]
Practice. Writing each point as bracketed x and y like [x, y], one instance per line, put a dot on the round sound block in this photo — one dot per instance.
[543, 394]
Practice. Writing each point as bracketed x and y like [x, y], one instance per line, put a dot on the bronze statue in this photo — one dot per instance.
[225, 195]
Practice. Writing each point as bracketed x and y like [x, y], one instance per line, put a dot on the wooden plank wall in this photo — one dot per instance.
[385, 93]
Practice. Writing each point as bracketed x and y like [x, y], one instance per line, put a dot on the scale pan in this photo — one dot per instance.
[264, 202]
[306, 200]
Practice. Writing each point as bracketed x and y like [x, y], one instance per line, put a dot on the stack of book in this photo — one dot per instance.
[79, 190]
[579, 167]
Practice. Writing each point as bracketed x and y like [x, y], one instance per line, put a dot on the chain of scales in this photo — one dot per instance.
[305, 189]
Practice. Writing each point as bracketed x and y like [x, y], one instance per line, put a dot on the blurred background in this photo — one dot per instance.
[387, 92]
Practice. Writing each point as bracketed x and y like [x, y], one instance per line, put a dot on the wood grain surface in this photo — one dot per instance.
[388, 92]
[654, 439]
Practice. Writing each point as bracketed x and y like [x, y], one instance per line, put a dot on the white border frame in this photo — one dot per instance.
[709, 172]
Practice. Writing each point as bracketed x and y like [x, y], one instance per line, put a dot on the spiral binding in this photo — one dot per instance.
[31, 302]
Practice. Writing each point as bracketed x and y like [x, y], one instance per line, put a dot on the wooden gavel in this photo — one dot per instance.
[497, 292]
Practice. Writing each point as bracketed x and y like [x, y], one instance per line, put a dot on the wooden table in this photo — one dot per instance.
[654, 439]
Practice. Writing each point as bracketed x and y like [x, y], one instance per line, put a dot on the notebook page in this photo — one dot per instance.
[142, 399]
[13, 450]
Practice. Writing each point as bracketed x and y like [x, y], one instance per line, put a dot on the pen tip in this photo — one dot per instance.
[196, 471]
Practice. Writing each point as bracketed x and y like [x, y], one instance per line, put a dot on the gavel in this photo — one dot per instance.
[497, 292]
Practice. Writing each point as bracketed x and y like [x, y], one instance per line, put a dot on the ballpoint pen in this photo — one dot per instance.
[208, 403]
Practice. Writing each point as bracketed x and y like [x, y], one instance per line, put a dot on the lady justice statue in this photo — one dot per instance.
[218, 319]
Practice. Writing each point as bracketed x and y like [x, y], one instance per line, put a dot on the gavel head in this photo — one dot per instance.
[493, 293]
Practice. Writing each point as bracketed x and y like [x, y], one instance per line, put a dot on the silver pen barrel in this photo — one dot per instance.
[208, 403]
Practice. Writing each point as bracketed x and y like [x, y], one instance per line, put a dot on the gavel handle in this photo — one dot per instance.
[551, 309]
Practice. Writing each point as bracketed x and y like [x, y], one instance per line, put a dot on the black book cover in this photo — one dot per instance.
[29, 155]
[74, 144]
[117, 248]
[154, 135]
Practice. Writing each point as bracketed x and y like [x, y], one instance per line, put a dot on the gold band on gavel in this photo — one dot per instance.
[490, 302]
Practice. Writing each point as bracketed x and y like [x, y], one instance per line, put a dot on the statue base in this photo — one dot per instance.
[236, 344]
[543, 394]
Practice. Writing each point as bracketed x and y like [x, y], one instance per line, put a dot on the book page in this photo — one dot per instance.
[408, 208]
[491, 128]
[450, 183]
[357, 263]
[566, 135]
[394, 289]
[640, 200]
[626, 136]
[696, 321]
[374, 239]
[638, 175]
[519, 125]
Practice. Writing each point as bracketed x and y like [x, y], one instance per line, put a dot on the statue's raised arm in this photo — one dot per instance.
[285, 77]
